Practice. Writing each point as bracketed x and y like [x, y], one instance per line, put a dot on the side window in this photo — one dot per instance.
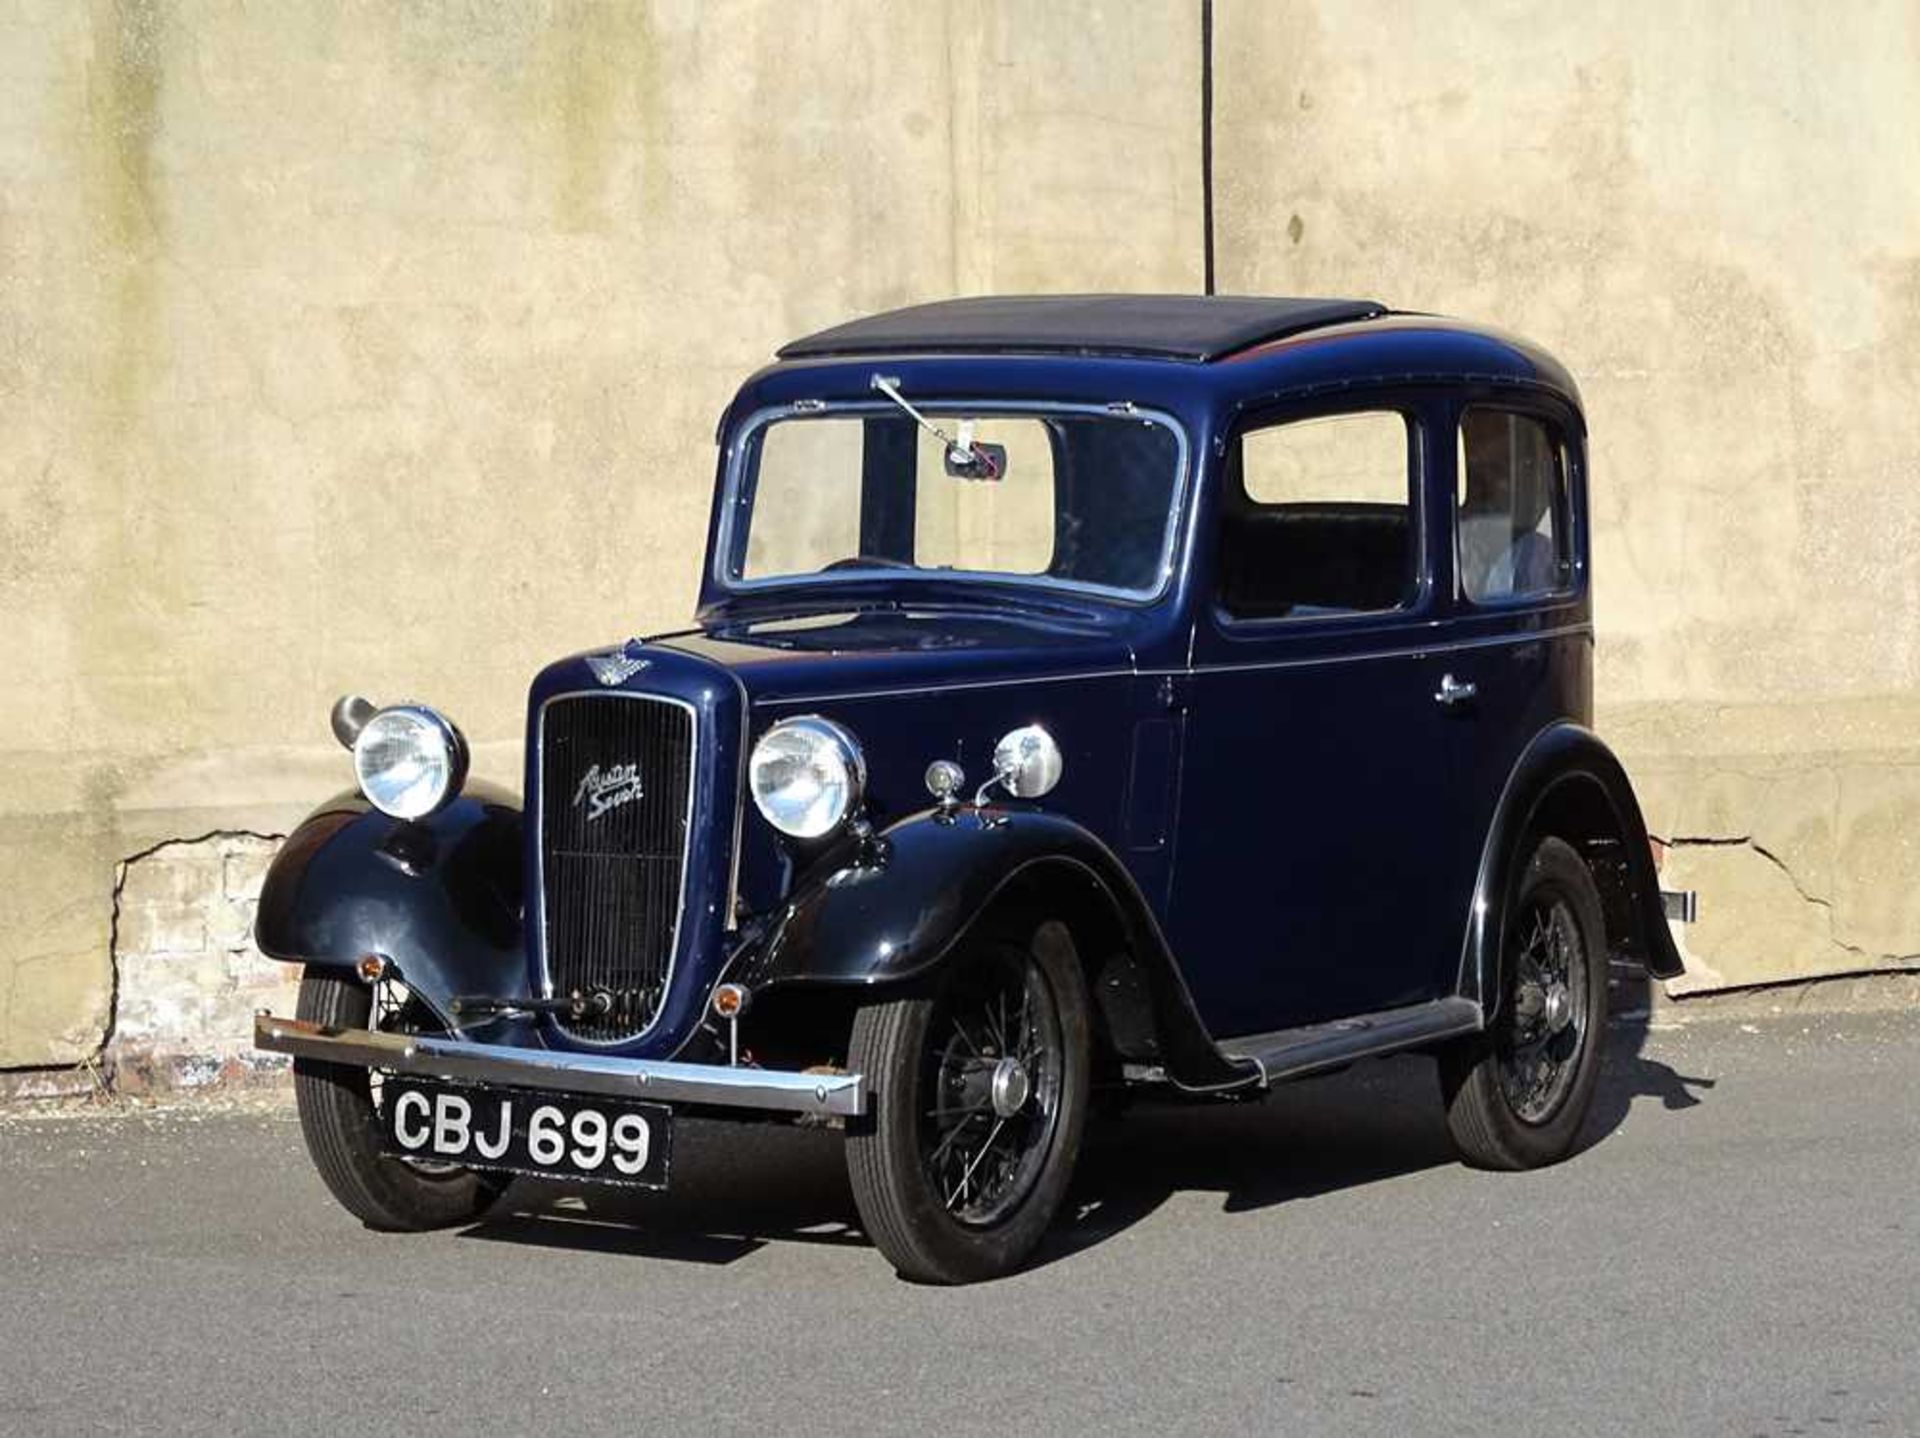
[1510, 507]
[1318, 518]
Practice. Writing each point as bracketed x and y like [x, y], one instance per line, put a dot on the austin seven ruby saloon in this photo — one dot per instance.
[1086, 695]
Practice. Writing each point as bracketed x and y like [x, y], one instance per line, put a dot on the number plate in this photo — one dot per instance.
[551, 1135]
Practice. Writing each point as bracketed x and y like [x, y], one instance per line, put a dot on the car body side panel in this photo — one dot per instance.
[1316, 802]
[1317, 790]
[1529, 673]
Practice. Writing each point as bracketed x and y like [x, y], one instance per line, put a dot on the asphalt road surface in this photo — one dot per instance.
[1738, 1252]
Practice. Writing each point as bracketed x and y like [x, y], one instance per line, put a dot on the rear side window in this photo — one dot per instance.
[1511, 508]
[1319, 518]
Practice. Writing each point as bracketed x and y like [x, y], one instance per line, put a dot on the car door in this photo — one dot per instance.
[1521, 614]
[1317, 785]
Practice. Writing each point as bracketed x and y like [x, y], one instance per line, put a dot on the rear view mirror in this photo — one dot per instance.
[977, 460]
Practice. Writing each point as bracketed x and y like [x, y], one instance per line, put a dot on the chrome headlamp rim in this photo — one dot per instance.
[453, 755]
[819, 729]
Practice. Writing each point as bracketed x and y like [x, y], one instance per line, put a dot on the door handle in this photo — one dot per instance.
[1453, 692]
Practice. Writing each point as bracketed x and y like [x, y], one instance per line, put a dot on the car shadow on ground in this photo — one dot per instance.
[737, 1187]
[1373, 1122]
[1631, 1072]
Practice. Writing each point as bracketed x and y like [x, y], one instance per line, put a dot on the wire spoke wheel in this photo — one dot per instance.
[980, 1081]
[1539, 1043]
[395, 1010]
[340, 1118]
[1518, 1094]
[993, 1069]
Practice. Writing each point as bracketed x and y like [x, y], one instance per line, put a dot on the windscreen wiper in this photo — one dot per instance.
[964, 459]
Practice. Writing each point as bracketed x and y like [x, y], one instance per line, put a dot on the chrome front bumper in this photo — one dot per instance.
[839, 1094]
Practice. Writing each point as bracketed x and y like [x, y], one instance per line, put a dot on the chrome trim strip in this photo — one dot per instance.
[553, 1071]
[731, 919]
[1414, 651]
[686, 851]
[1407, 652]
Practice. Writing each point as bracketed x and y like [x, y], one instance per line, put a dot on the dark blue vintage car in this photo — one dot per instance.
[1096, 693]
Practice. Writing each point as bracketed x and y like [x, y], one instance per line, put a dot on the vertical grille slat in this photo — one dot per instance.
[613, 842]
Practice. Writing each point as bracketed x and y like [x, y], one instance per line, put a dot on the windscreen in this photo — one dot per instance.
[1084, 499]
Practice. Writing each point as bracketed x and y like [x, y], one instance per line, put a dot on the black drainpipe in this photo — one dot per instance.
[1206, 137]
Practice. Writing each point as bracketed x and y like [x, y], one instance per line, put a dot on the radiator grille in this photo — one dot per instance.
[615, 776]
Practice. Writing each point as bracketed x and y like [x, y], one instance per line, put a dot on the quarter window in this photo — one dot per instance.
[1511, 511]
[1319, 518]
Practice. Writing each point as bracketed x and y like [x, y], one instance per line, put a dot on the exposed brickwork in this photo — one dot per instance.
[188, 975]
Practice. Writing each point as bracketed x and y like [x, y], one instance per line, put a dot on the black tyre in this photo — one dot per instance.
[1518, 1094]
[979, 1094]
[342, 1130]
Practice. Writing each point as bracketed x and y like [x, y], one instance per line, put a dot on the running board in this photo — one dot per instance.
[1294, 1053]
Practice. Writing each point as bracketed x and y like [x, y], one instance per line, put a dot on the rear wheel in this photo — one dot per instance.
[979, 1098]
[1518, 1094]
[341, 1125]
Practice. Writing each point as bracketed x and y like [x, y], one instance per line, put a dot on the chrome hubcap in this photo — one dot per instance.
[1011, 1087]
[1545, 1007]
[1557, 1012]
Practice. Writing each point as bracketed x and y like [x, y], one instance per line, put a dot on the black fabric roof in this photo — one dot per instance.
[1186, 327]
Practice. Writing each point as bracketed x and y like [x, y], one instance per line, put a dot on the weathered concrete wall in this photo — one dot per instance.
[380, 347]
[1712, 213]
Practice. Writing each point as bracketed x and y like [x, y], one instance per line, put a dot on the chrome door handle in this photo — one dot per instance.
[1454, 691]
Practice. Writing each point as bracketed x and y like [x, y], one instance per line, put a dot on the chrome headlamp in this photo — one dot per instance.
[410, 760]
[1027, 762]
[807, 776]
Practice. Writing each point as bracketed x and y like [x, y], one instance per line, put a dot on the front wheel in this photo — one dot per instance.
[341, 1124]
[979, 1098]
[1518, 1094]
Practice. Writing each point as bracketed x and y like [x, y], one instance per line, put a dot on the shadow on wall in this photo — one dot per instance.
[1377, 1121]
